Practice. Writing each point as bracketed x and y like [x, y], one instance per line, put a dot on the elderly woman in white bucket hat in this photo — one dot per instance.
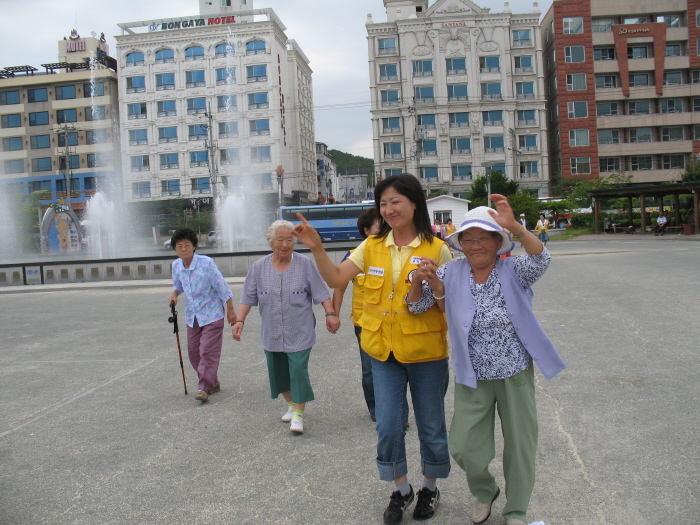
[495, 338]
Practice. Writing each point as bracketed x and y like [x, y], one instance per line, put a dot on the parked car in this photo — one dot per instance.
[166, 245]
[213, 238]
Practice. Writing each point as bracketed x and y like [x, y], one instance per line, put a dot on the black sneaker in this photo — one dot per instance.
[427, 501]
[398, 503]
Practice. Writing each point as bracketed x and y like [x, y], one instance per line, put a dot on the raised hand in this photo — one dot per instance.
[306, 233]
[504, 213]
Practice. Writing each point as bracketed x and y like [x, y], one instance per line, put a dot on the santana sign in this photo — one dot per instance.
[196, 22]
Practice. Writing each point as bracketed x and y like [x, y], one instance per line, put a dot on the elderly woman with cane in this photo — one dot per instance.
[495, 338]
[198, 277]
[284, 284]
[406, 349]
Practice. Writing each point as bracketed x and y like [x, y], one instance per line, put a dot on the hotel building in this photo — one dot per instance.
[623, 81]
[214, 104]
[455, 90]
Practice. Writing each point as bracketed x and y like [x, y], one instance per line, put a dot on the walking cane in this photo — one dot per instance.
[176, 331]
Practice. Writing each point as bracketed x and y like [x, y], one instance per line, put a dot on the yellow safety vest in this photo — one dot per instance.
[387, 325]
[357, 297]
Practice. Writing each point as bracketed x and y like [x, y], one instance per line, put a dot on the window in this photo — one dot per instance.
[639, 79]
[73, 162]
[393, 124]
[229, 156]
[528, 142]
[89, 182]
[258, 100]
[135, 84]
[255, 47]
[640, 135]
[672, 134]
[602, 25]
[459, 120]
[673, 162]
[493, 118]
[670, 20]
[395, 171]
[95, 113]
[578, 137]
[65, 92]
[456, 66]
[224, 50]
[580, 165]
[167, 108]
[608, 136]
[578, 109]
[604, 53]
[65, 115]
[524, 90]
[37, 95]
[494, 143]
[259, 127]
[67, 139]
[429, 172]
[170, 187]
[135, 111]
[388, 72]
[257, 73]
[169, 161]
[639, 107]
[521, 38]
[576, 82]
[196, 132]
[460, 146]
[696, 104]
[165, 55]
[462, 172]
[426, 121]
[634, 52]
[139, 163]
[635, 20]
[8, 98]
[96, 136]
[523, 64]
[195, 78]
[695, 78]
[226, 75]
[526, 117]
[573, 25]
[457, 92]
[138, 137]
[422, 68]
[386, 46]
[13, 144]
[672, 105]
[199, 159]
[194, 53]
[168, 134]
[165, 81]
[490, 90]
[428, 147]
[226, 103]
[607, 109]
[40, 118]
[42, 164]
[134, 59]
[392, 150]
[609, 164]
[196, 106]
[40, 185]
[672, 78]
[424, 94]
[490, 64]
[40, 141]
[201, 185]
[141, 189]
[228, 130]
[641, 163]
[390, 97]
[14, 166]
[529, 168]
[260, 154]
[606, 81]
[575, 54]
[674, 50]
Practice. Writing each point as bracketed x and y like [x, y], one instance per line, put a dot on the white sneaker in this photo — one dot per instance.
[297, 424]
[287, 417]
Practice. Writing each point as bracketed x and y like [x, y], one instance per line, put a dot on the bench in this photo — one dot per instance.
[613, 228]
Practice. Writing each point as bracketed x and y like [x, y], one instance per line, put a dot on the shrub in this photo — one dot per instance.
[582, 220]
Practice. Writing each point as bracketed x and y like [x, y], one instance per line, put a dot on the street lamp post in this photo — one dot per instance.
[488, 165]
[211, 147]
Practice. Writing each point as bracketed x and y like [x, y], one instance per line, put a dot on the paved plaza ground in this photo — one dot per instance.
[95, 427]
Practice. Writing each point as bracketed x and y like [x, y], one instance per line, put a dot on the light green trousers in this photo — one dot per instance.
[472, 441]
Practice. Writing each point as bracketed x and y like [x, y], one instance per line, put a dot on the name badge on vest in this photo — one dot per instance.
[415, 259]
[373, 270]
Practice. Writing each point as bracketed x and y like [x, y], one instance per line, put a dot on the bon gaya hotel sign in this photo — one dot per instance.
[194, 22]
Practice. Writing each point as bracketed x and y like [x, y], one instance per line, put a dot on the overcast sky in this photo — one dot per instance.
[330, 32]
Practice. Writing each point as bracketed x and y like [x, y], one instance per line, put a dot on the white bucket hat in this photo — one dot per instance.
[481, 218]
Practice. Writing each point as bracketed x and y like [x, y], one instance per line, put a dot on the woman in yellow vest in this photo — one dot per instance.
[406, 349]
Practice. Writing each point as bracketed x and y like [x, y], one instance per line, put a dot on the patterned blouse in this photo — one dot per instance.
[288, 322]
[494, 348]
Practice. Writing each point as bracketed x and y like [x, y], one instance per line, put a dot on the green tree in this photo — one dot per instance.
[692, 172]
[525, 202]
[499, 184]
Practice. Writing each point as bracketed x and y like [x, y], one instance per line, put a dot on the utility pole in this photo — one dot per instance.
[211, 148]
[280, 185]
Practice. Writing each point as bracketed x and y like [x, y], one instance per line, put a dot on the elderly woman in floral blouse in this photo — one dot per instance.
[495, 337]
[284, 284]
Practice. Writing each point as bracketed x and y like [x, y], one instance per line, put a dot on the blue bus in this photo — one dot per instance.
[334, 222]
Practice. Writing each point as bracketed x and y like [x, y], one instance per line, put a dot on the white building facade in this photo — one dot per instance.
[215, 104]
[456, 90]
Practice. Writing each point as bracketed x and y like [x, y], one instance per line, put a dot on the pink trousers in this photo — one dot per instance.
[204, 349]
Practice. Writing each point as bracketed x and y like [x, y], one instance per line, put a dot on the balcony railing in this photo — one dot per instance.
[199, 163]
[387, 51]
[261, 105]
[494, 150]
[230, 161]
[197, 137]
[171, 166]
[388, 78]
[136, 89]
[194, 57]
[138, 142]
[200, 190]
[163, 87]
[422, 73]
[459, 124]
[130, 63]
[524, 69]
[195, 111]
[423, 127]
[140, 168]
[392, 130]
[227, 108]
[198, 83]
[388, 103]
[490, 69]
[522, 43]
[457, 99]
[228, 135]
[529, 174]
[262, 78]
[493, 122]
[133, 116]
[461, 177]
[261, 159]
[608, 140]
[162, 140]
[169, 113]
[141, 195]
[170, 193]
[495, 96]
[529, 148]
[431, 153]
[164, 61]
[527, 122]
[525, 95]
[461, 151]
[224, 81]
[430, 100]
[456, 71]
[393, 155]
[256, 51]
[259, 132]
